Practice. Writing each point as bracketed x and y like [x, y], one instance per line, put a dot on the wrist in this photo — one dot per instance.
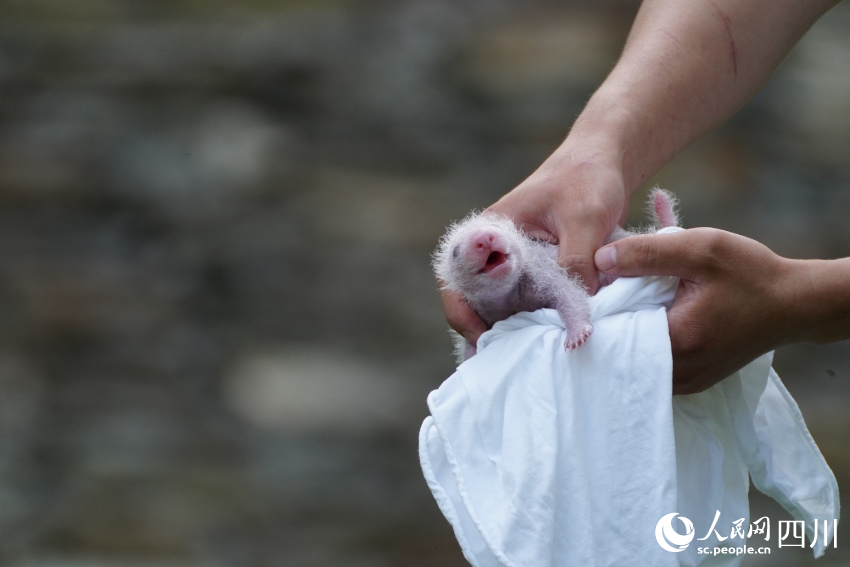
[610, 128]
[819, 298]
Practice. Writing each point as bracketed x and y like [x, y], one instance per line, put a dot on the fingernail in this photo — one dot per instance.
[605, 258]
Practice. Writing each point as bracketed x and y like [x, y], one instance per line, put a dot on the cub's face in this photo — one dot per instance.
[481, 257]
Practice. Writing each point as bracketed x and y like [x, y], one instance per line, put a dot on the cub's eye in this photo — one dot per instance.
[456, 251]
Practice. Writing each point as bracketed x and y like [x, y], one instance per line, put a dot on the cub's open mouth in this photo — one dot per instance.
[494, 260]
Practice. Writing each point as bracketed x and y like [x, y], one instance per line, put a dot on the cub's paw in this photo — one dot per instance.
[576, 339]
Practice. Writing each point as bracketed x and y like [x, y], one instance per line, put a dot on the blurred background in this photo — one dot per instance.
[218, 325]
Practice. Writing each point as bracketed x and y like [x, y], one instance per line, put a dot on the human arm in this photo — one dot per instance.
[736, 299]
[686, 67]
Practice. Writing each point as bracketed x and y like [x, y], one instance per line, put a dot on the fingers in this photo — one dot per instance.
[461, 317]
[676, 254]
[578, 260]
[578, 242]
[695, 365]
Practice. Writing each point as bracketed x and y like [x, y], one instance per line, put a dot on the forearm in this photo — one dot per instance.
[818, 298]
[686, 67]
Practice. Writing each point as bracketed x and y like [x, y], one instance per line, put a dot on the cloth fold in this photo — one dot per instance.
[539, 457]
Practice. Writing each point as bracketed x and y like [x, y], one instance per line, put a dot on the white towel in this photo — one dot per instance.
[540, 457]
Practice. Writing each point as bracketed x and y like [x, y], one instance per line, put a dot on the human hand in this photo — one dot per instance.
[576, 199]
[461, 317]
[733, 303]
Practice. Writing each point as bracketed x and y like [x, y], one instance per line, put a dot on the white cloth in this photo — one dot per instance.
[544, 458]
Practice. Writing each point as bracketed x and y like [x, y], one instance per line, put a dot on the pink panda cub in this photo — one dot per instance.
[500, 271]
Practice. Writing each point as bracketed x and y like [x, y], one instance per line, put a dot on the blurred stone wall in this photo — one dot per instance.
[217, 320]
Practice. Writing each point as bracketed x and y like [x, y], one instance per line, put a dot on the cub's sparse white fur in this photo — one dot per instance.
[500, 271]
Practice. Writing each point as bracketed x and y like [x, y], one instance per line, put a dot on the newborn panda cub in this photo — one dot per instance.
[500, 271]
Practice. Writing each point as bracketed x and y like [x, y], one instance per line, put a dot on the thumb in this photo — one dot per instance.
[648, 255]
[576, 255]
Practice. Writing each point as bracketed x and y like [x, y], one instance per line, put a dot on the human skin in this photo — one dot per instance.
[686, 67]
[736, 299]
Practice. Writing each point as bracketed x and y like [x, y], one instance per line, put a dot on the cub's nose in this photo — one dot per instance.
[483, 241]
